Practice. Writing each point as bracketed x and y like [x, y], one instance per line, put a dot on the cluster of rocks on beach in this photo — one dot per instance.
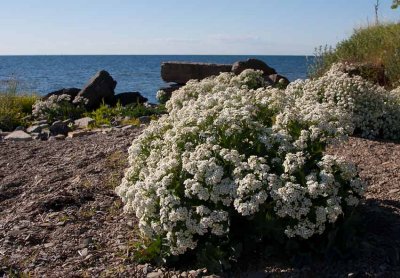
[101, 88]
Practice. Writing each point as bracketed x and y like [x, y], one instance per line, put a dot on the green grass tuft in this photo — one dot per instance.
[377, 45]
[14, 107]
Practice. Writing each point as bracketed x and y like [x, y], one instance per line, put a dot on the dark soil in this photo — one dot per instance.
[59, 216]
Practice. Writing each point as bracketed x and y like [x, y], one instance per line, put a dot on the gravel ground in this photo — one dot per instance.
[59, 215]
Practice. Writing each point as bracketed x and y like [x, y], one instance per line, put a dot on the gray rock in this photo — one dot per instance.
[127, 127]
[59, 127]
[18, 135]
[154, 274]
[34, 129]
[182, 72]
[84, 252]
[60, 137]
[86, 242]
[100, 87]
[145, 119]
[83, 122]
[19, 128]
[255, 64]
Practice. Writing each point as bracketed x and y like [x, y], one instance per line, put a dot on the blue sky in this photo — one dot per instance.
[270, 27]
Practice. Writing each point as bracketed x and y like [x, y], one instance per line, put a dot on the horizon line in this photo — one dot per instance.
[5, 55]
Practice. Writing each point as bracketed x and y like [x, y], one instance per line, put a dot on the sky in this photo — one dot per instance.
[232, 27]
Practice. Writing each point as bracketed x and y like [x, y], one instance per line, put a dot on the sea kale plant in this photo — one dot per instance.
[235, 160]
[59, 107]
[374, 112]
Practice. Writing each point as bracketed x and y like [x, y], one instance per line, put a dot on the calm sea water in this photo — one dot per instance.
[44, 74]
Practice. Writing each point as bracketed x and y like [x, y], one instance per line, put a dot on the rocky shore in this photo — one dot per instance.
[59, 215]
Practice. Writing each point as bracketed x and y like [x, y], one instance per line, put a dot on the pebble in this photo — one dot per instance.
[84, 252]
[86, 242]
[154, 274]
[48, 245]
[127, 127]
[59, 137]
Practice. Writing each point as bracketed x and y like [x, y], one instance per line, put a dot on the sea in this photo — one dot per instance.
[133, 73]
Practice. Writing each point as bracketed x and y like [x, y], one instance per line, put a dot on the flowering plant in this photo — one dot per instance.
[372, 111]
[59, 107]
[233, 151]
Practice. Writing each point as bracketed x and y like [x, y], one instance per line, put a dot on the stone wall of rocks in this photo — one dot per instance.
[179, 73]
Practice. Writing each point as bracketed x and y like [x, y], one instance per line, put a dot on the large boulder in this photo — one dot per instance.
[101, 86]
[255, 64]
[129, 98]
[182, 72]
[72, 92]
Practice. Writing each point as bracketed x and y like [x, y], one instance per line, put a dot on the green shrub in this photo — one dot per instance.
[139, 110]
[377, 45]
[14, 107]
[105, 114]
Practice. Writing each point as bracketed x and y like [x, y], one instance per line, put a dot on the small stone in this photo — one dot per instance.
[48, 245]
[52, 138]
[145, 119]
[84, 252]
[34, 129]
[18, 135]
[86, 242]
[393, 191]
[154, 274]
[193, 273]
[83, 122]
[60, 137]
[127, 127]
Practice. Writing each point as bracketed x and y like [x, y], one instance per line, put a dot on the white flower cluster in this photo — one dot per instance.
[232, 147]
[54, 105]
[372, 111]
[41, 107]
